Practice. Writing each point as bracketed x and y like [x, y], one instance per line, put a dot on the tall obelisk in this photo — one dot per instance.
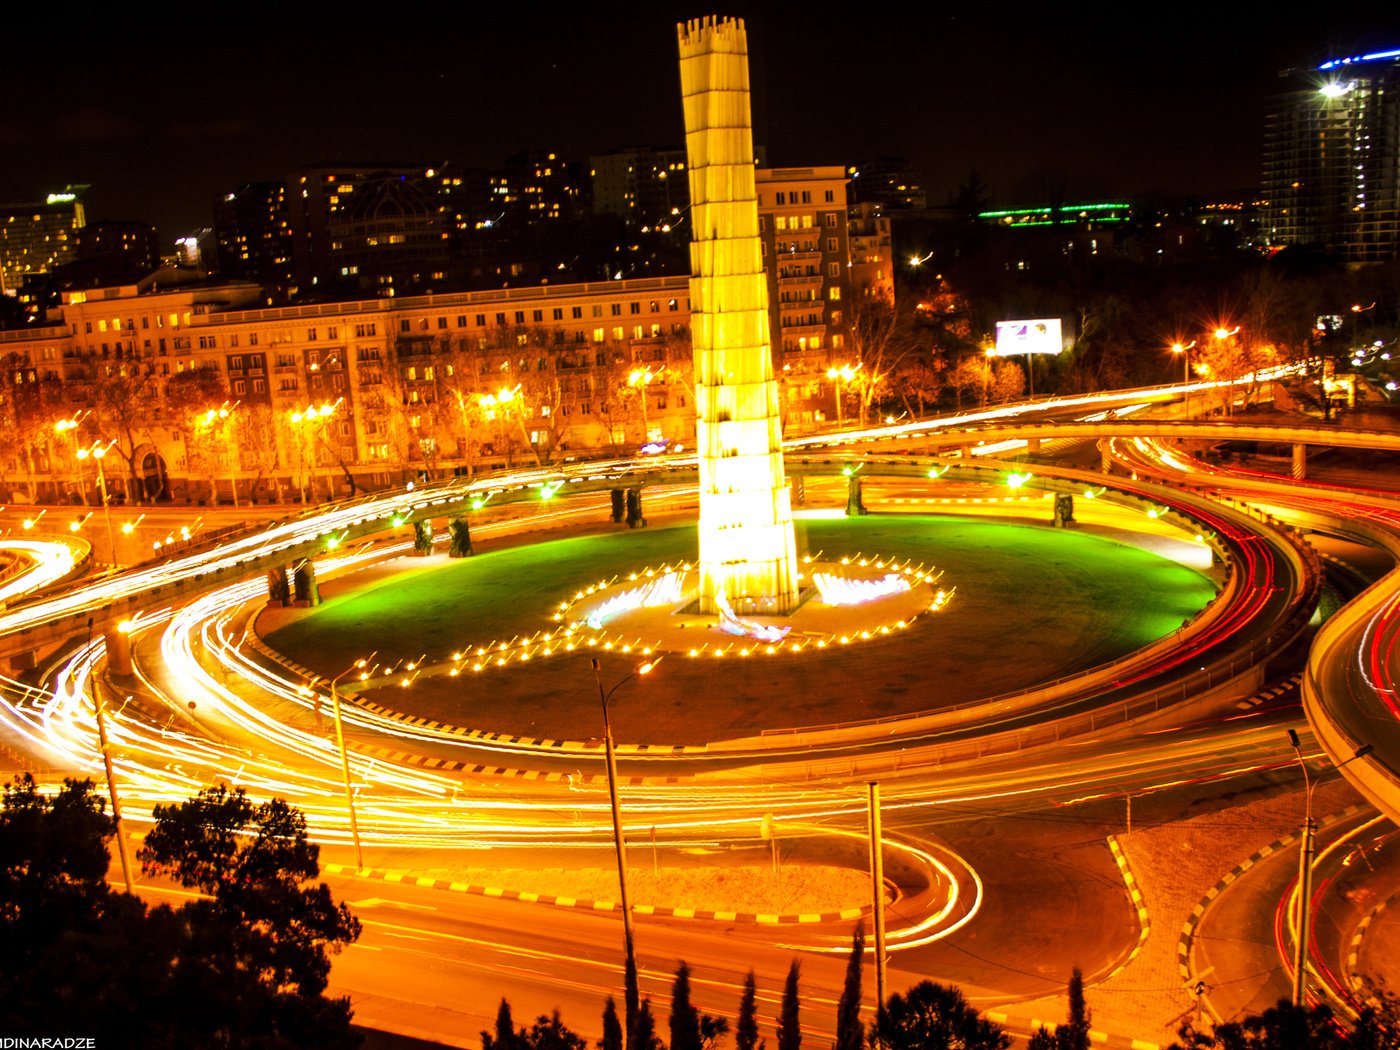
[748, 554]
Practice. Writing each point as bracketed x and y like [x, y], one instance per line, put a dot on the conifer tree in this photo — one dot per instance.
[789, 1024]
[850, 1033]
[612, 1028]
[685, 1021]
[746, 1027]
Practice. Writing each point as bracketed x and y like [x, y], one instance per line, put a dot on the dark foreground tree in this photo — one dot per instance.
[643, 1035]
[691, 1029]
[257, 863]
[746, 1026]
[789, 1021]
[934, 1017]
[850, 1033]
[1074, 1033]
[246, 968]
[551, 1033]
[612, 1028]
[504, 1037]
[1378, 1021]
[685, 1019]
[1281, 1027]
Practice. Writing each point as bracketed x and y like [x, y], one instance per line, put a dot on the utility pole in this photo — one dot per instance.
[877, 880]
[122, 849]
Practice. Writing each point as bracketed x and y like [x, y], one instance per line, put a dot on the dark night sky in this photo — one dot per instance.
[162, 116]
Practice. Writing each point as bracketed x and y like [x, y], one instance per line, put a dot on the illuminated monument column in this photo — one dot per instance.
[748, 555]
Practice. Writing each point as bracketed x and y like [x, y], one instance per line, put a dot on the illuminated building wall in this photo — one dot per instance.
[748, 553]
[36, 236]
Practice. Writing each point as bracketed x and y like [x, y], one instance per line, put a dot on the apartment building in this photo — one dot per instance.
[381, 390]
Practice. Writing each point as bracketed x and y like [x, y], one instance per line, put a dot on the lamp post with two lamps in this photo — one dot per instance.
[1305, 865]
[639, 380]
[843, 374]
[97, 452]
[70, 426]
[631, 992]
[1184, 349]
[365, 670]
[314, 418]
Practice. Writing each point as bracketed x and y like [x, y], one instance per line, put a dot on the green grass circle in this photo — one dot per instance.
[1033, 604]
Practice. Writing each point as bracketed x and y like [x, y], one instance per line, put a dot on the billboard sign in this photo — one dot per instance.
[1040, 336]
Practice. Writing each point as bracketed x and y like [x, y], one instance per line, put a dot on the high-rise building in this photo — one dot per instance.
[255, 238]
[36, 236]
[315, 196]
[644, 187]
[135, 243]
[891, 181]
[1332, 158]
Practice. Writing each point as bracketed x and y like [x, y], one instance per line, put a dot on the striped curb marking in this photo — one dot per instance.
[449, 765]
[1095, 1036]
[453, 766]
[1188, 928]
[255, 642]
[1135, 894]
[758, 918]
[963, 499]
[1288, 685]
[1354, 950]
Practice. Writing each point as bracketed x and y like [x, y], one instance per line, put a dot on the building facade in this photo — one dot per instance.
[803, 228]
[1332, 159]
[400, 388]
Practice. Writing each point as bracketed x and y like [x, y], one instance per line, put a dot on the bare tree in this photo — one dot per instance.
[880, 338]
[127, 406]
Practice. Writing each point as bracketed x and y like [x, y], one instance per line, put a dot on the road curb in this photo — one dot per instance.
[452, 765]
[1188, 929]
[447, 765]
[658, 911]
[1362, 928]
[1139, 904]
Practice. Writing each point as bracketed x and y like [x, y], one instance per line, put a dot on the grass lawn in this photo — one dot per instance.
[1032, 604]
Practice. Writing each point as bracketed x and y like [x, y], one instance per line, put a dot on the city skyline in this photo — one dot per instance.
[1082, 104]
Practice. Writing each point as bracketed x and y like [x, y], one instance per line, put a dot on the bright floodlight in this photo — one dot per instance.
[1336, 89]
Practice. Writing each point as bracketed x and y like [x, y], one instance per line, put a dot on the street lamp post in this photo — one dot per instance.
[68, 426]
[361, 666]
[631, 1005]
[97, 452]
[641, 377]
[1184, 349]
[1305, 866]
[843, 374]
[1222, 335]
[314, 417]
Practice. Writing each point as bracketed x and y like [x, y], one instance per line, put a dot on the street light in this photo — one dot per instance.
[97, 452]
[1221, 334]
[220, 417]
[630, 993]
[843, 374]
[1305, 866]
[1184, 349]
[641, 377]
[362, 666]
[66, 426]
[313, 416]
